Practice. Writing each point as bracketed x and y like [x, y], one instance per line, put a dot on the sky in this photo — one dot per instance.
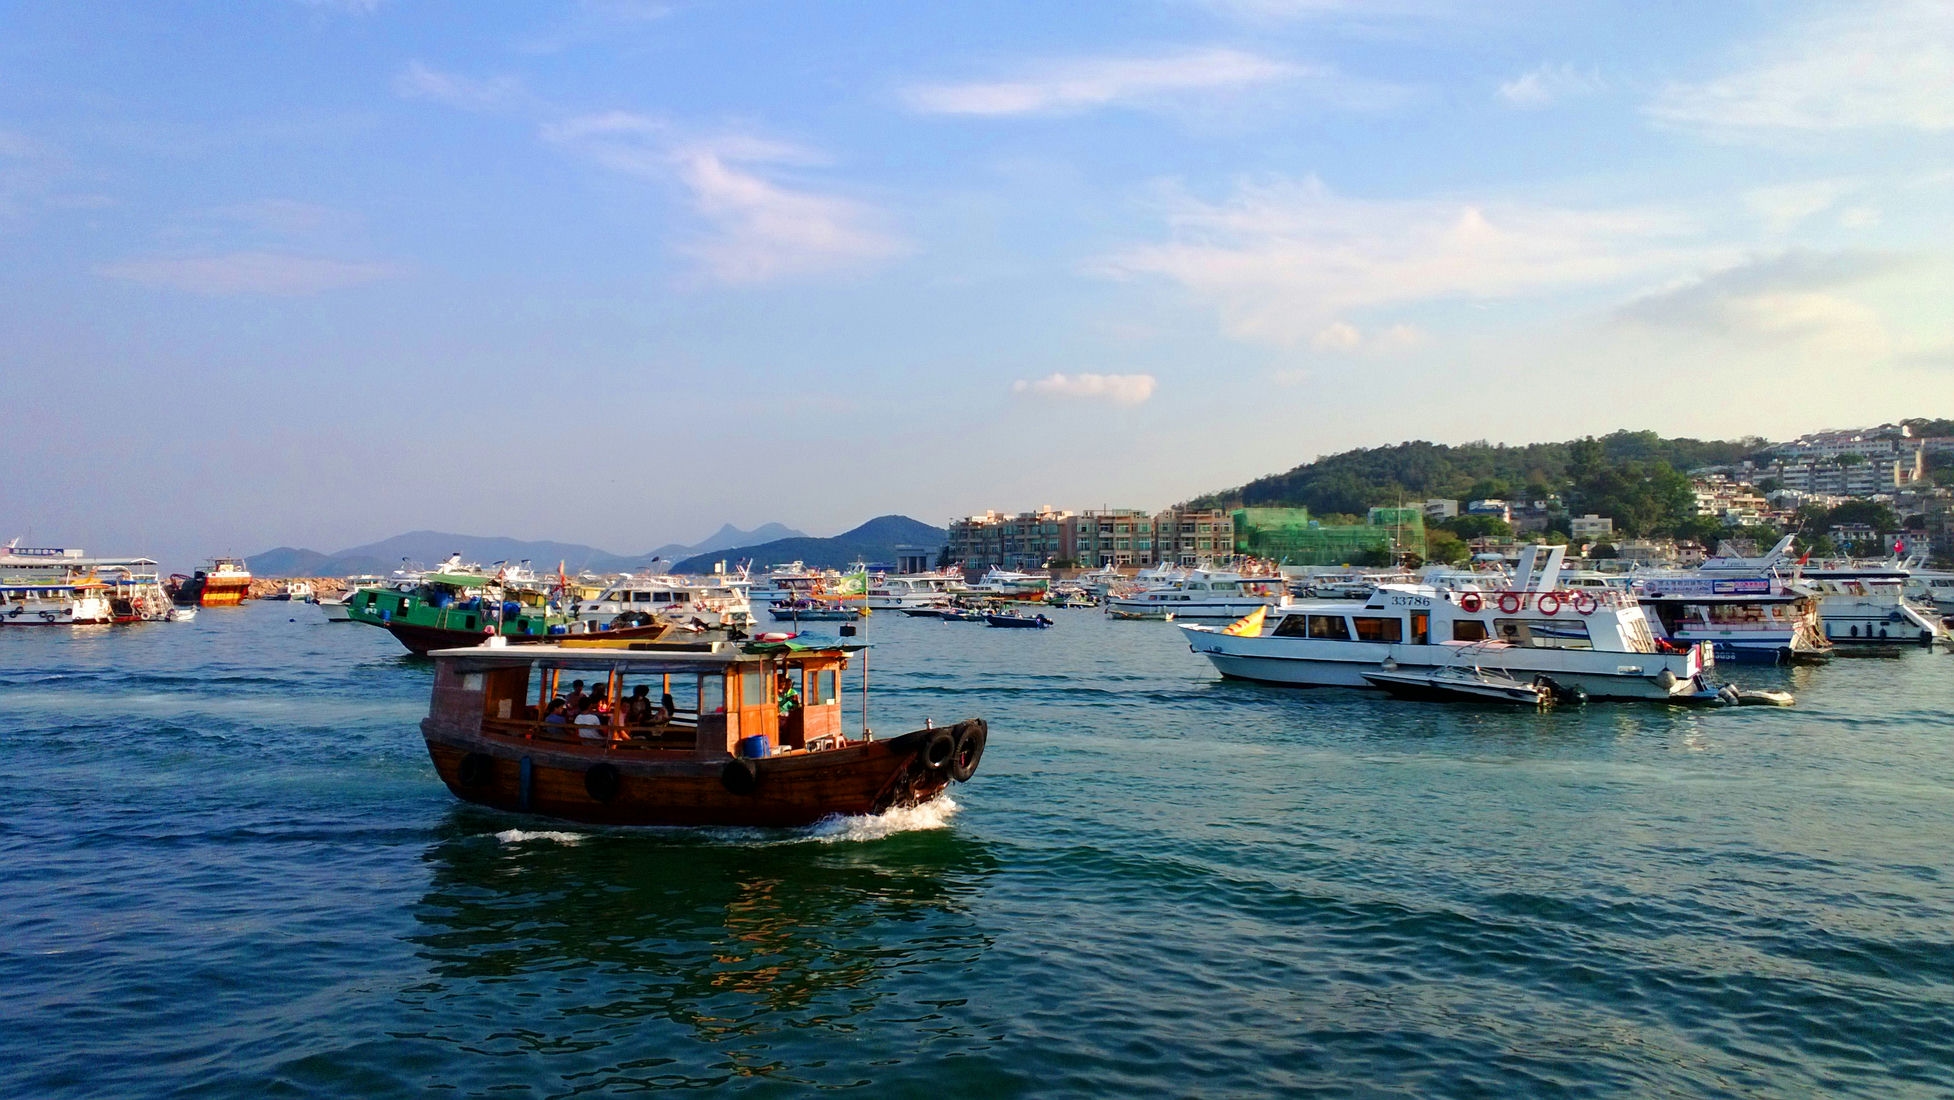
[313, 273]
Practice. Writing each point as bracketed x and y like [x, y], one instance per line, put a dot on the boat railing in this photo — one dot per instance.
[1514, 600]
[680, 734]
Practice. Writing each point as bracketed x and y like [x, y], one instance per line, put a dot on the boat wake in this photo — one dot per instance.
[523, 836]
[934, 814]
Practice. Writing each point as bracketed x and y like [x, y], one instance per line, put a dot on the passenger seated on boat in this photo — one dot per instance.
[590, 724]
[576, 698]
[637, 708]
[558, 714]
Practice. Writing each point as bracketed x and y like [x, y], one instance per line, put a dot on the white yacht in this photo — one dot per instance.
[1596, 640]
[893, 593]
[1931, 589]
[1860, 602]
[1751, 608]
[639, 601]
[335, 605]
[1201, 594]
[1006, 584]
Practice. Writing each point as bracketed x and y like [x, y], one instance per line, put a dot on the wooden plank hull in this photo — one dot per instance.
[681, 789]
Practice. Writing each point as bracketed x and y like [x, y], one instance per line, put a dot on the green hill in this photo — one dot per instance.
[1354, 481]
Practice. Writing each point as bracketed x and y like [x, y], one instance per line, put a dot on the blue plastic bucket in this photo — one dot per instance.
[755, 747]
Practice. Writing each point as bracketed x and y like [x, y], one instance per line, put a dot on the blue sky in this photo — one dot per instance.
[617, 272]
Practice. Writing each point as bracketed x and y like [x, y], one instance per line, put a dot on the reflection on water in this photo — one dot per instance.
[757, 950]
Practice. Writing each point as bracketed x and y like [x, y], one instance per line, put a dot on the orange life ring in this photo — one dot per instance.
[1585, 604]
[1544, 608]
[1471, 602]
[1510, 602]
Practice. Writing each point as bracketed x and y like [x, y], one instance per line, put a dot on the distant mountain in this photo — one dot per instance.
[286, 561]
[432, 547]
[725, 538]
[873, 541]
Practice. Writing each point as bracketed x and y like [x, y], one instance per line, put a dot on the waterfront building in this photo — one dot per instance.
[1110, 536]
[1590, 528]
[995, 540]
[1193, 536]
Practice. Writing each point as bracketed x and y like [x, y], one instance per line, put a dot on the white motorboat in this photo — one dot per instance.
[1464, 683]
[1598, 641]
[912, 590]
[1201, 594]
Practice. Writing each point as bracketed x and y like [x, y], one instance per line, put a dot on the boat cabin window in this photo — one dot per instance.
[1468, 630]
[1378, 630]
[753, 688]
[1329, 626]
[1421, 628]
[1292, 626]
[1560, 633]
[712, 694]
[824, 687]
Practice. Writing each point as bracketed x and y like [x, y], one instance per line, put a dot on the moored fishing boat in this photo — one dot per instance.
[80, 602]
[747, 735]
[449, 610]
[225, 582]
[1599, 641]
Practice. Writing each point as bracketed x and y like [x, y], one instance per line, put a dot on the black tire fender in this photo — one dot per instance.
[477, 769]
[969, 751]
[939, 748]
[740, 775]
[601, 781]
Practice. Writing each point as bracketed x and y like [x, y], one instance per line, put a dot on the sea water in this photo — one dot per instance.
[229, 871]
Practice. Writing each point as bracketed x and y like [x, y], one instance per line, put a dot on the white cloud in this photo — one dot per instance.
[418, 81]
[1119, 389]
[1542, 86]
[1795, 297]
[1086, 83]
[1339, 336]
[1860, 66]
[1783, 207]
[1284, 262]
[756, 228]
[236, 273]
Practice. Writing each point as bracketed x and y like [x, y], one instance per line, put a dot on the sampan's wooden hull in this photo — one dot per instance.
[640, 788]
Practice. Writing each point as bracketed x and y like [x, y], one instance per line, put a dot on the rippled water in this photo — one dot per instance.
[230, 871]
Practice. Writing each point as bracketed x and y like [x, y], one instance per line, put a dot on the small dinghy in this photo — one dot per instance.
[961, 615]
[924, 612]
[1023, 622]
[182, 614]
[1463, 684]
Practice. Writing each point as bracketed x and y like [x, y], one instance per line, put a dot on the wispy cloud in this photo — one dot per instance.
[1791, 297]
[247, 273]
[1086, 83]
[421, 81]
[1546, 84]
[1863, 66]
[757, 228]
[1117, 389]
[1284, 263]
[1783, 207]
